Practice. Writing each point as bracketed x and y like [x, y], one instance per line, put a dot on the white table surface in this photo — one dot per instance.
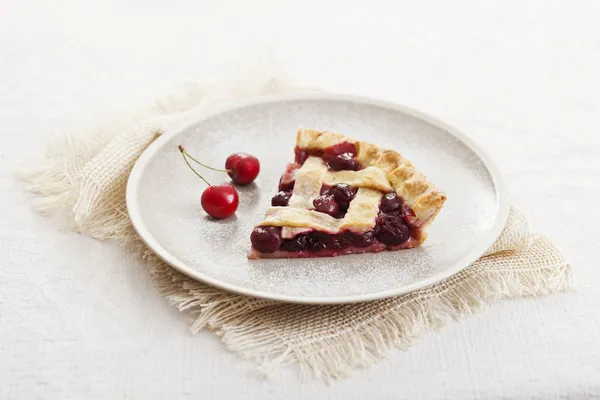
[80, 319]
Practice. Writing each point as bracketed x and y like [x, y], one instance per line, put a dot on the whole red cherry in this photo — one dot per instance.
[243, 168]
[220, 201]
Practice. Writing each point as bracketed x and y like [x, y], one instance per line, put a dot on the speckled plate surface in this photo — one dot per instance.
[163, 199]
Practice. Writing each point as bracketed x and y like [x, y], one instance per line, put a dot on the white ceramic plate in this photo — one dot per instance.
[163, 199]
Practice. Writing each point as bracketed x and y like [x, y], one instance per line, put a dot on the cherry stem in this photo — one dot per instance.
[185, 156]
[184, 151]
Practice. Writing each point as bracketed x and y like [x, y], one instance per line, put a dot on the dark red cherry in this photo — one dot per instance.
[281, 199]
[287, 180]
[341, 148]
[286, 185]
[390, 203]
[326, 204]
[365, 239]
[243, 168]
[343, 162]
[220, 201]
[298, 243]
[317, 241]
[343, 194]
[392, 229]
[342, 240]
[406, 211]
[266, 239]
[301, 155]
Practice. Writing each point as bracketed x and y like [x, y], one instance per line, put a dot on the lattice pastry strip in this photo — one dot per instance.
[298, 216]
[314, 173]
[425, 199]
[360, 217]
[363, 211]
[309, 179]
[373, 222]
[370, 177]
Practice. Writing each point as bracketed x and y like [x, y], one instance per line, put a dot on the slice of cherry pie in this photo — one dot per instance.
[343, 196]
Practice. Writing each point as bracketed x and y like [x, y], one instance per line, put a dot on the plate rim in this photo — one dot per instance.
[502, 195]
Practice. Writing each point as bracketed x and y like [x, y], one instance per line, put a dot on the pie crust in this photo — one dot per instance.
[422, 196]
[382, 171]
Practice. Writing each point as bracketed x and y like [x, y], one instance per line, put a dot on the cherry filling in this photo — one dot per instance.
[392, 230]
[288, 179]
[281, 199]
[317, 241]
[334, 200]
[266, 239]
[342, 193]
[342, 162]
[393, 227]
[394, 224]
[390, 203]
[339, 157]
[326, 204]
[303, 154]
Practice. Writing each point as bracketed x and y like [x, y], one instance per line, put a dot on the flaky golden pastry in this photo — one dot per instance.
[425, 199]
[343, 196]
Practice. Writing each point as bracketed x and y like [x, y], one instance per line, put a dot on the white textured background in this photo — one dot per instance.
[80, 319]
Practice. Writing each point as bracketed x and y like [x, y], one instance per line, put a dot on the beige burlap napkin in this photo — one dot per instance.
[83, 185]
